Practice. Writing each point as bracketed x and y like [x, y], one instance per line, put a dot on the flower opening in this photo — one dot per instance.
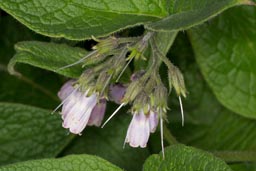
[140, 128]
[79, 109]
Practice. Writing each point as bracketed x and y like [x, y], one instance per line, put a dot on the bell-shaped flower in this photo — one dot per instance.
[140, 127]
[79, 109]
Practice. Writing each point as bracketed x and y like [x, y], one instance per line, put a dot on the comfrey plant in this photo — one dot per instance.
[132, 62]
[84, 100]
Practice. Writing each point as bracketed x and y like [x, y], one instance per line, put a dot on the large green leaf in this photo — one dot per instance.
[29, 133]
[208, 124]
[70, 163]
[188, 13]
[108, 143]
[182, 158]
[225, 51]
[48, 56]
[80, 19]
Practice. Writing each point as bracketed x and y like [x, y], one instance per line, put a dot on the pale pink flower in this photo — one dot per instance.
[66, 89]
[79, 109]
[140, 128]
[98, 113]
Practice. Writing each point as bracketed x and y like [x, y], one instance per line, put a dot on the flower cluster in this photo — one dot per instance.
[84, 100]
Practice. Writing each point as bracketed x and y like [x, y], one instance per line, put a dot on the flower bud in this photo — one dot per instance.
[116, 92]
[102, 82]
[141, 102]
[159, 98]
[138, 50]
[132, 91]
[86, 78]
[135, 76]
[106, 45]
[176, 80]
[98, 113]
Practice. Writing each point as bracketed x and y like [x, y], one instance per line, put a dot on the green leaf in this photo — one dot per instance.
[179, 158]
[70, 163]
[108, 142]
[188, 13]
[208, 125]
[80, 19]
[225, 51]
[48, 56]
[244, 167]
[29, 133]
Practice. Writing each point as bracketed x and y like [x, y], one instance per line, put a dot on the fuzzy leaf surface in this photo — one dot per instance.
[80, 19]
[29, 133]
[70, 163]
[182, 158]
[185, 14]
[225, 51]
[50, 56]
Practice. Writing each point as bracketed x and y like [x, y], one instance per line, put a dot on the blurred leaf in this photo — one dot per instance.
[179, 158]
[29, 90]
[11, 34]
[29, 133]
[48, 56]
[35, 84]
[108, 143]
[225, 51]
[70, 163]
[188, 13]
[244, 167]
[80, 20]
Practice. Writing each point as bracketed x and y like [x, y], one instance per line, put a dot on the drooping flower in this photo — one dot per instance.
[79, 108]
[140, 128]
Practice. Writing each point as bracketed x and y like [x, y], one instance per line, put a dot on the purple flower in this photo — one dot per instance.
[140, 128]
[135, 76]
[66, 89]
[153, 121]
[98, 113]
[79, 109]
[116, 92]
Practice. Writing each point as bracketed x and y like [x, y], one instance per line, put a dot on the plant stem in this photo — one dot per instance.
[169, 137]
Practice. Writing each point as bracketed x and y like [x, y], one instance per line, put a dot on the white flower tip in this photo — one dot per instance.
[138, 145]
